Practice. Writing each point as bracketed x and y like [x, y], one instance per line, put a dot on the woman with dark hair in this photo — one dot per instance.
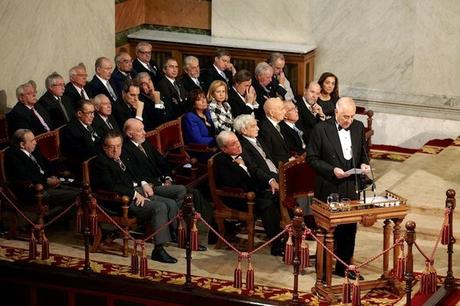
[198, 127]
[329, 93]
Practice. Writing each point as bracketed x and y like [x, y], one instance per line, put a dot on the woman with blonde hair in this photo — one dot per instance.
[221, 112]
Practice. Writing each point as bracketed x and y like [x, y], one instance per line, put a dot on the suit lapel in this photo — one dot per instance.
[333, 136]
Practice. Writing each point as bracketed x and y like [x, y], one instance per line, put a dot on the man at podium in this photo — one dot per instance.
[338, 145]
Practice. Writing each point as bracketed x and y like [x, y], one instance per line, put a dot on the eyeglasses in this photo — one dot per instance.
[145, 52]
[88, 113]
[59, 84]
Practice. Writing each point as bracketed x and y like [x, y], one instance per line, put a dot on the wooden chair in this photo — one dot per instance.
[114, 202]
[223, 212]
[369, 131]
[4, 140]
[153, 137]
[296, 181]
[37, 208]
[49, 145]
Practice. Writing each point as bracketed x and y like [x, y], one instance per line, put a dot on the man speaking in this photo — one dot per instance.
[338, 145]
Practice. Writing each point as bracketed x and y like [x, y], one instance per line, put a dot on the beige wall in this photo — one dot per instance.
[39, 37]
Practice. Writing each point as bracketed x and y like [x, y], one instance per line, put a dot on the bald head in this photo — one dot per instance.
[345, 110]
[274, 109]
[134, 130]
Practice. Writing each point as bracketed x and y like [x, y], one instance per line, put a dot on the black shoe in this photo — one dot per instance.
[351, 275]
[160, 254]
[277, 251]
[202, 248]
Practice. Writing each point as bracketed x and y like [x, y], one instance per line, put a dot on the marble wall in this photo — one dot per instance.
[397, 56]
[39, 37]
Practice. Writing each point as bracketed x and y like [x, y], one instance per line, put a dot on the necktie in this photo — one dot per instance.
[279, 130]
[64, 111]
[36, 162]
[224, 76]
[177, 89]
[109, 124]
[121, 164]
[93, 133]
[82, 93]
[300, 133]
[142, 149]
[197, 83]
[111, 91]
[40, 118]
[341, 128]
[270, 164]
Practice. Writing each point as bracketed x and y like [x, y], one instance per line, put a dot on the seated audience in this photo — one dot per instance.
[171, 88]
[270, 131]
[221, 112]
[156, 111]
[232, 171]
[101, 83]
[122, 72]
[197, 124]
[191, 78]
[27, 114]
[129, 105]
[221, 70]
[329, 94]
[58, 106]
[310, 112]
[112, 171]
[293, 136]
[25, 166]
[265, 86]
[277, 61]
[103, 119]
[76, 89]
[79, 140]
[242, 96]
[144, 62]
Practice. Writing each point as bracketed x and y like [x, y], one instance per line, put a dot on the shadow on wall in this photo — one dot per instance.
[2, 101]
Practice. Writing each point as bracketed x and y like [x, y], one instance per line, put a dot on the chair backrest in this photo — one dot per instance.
[49, 144]
[154, 138]
[3, 130]
[297, 179]
[86, 173]
[170, 136]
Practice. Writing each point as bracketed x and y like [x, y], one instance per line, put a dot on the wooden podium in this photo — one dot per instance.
[391, 208]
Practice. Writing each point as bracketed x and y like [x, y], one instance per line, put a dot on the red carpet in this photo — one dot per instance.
[374, 297]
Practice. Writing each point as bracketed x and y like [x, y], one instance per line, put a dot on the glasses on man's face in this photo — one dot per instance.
[145, 52]
[89, 113]
[59, 84]
[126, 61]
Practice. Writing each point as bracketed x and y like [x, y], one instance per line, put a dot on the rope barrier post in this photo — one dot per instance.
[298, 228]
[409, 276]
[449, 282]
[188, 213]
[86, 200]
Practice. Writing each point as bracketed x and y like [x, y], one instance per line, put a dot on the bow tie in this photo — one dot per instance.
[341, 128]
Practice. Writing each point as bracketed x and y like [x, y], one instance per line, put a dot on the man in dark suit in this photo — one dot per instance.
[171, 89]
[78, 138]
[277, 61]
[101, 84]
[53, 100]
[232, 171]
[122, 72]
[27, 114]
[270, 131]
[76, 89]
[144, 62]
[222, 69]
[338, 145]
[25, 166]
[156, 111]
[191, 78]
[293, 136]
[113, 172]
[242, 96]
[310, 112]
[265, 86]
[103, 120]
[129, 105]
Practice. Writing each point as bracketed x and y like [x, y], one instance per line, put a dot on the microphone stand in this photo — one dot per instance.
[356, 174]
[373, 188]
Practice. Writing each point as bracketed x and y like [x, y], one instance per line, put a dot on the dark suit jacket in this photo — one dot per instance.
[275, 144]
[306, 121]
[209, 75]
[21, 117]
[121, 111]
[151, 168]
[273, 90]
[155, 75]
[292, 139]
[73, 95]
[229, 174]
[96, 87]
[171, 97]
[238, 105]
[117, 80]
[325, 153]
[256, 163]
[51, 104]
[20, 168]
[106, 174]
[152, 116]
[77, 143]
[101, 127]
[189, 84]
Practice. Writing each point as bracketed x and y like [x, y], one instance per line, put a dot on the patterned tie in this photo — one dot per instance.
[93, 133]
[121, 164]
[108, 124]
[83, 94]
[40, 118]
